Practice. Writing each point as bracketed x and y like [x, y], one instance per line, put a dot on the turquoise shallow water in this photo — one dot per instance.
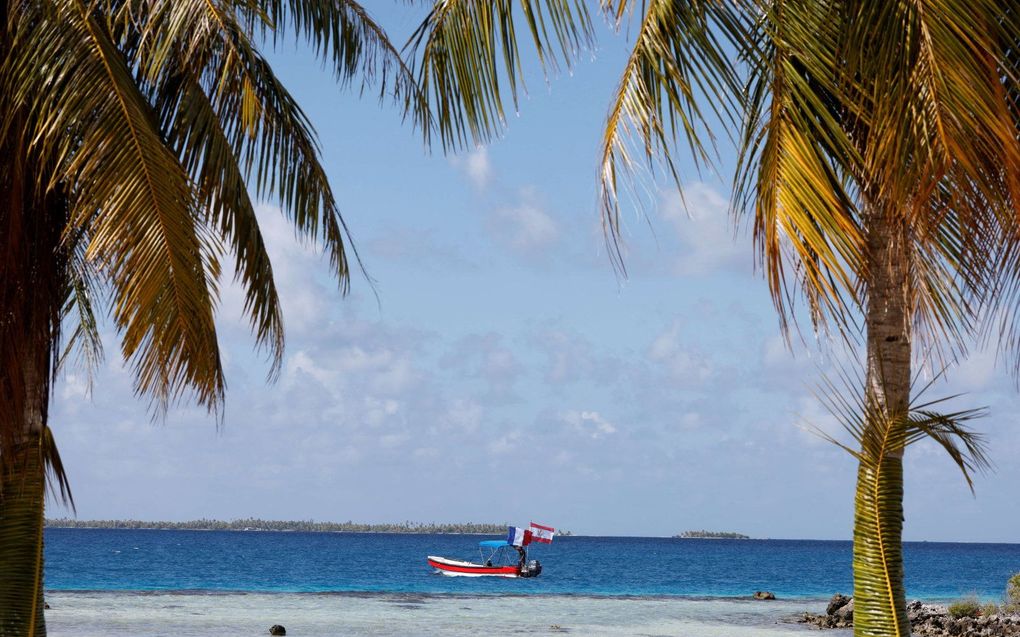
[264, 562]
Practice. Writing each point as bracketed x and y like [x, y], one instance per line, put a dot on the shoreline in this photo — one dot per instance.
[439, 595]
[398, 614]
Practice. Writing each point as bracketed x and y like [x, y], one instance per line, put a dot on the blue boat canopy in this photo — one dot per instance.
[493, 544]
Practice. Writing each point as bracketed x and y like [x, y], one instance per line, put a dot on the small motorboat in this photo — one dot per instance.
[499, 559]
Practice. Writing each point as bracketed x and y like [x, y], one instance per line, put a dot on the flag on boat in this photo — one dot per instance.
[517, 536]
[542, 533]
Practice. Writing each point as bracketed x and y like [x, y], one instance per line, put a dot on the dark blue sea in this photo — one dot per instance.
[291, 562]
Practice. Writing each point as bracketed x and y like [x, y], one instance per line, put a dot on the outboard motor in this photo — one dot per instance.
[531, 569]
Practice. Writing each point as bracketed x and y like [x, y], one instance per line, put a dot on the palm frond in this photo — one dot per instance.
[468, 49]
[793, 163]
[131, 193]
[269, 134]
[83, 291]
[234, 125]
[941, 109]
[678, 61]
[879, 435]
[196, 133]
[56, 474]
[939, 143]
[950, 432]
[343, 33]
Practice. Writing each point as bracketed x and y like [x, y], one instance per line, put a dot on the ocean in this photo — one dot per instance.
[183, 583]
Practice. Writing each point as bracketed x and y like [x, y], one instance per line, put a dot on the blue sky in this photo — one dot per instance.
[505, 372]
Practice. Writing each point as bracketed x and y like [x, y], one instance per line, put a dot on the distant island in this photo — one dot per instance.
[712, 535]
[255, 524]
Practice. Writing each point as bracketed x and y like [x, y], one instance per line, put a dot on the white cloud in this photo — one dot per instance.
[506, 443]
[684, 363]
[484, 356]
[707, 238]
[465, 415]
[589, 423]
[299, 270]
[525, 227]
[976, 372]
[476, 165]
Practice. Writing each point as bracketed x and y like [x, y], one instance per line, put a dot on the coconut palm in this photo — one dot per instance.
[878, 158]
[135, 136]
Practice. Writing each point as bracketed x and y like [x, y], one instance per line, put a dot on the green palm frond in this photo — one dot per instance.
[677, 62]
[877, 435]
[468, 49]
[881, 439]
[878, 530]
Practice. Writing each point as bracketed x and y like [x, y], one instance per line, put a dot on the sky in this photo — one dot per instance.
[497, 369]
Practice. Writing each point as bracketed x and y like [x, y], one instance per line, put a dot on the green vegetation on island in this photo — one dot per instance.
[255, 524]
[712, 535]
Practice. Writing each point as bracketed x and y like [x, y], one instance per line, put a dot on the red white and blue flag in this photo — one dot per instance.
[542, 533]
[517, 536]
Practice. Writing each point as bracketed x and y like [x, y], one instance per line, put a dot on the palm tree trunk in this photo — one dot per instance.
[31, 266]
[22, 498]
[21, 542]
[879, 596]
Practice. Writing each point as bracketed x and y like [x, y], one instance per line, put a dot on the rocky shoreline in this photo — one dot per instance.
[926, 620]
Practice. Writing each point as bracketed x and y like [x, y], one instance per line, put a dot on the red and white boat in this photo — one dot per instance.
[499, 559]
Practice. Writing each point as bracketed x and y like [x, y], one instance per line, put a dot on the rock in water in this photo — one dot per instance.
[838, 601]
[764, 595]
[277, 629]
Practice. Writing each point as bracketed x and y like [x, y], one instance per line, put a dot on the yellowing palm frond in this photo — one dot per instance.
[129, 190]
[793, 163]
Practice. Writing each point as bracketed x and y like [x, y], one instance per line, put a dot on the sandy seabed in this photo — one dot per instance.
[102, 614]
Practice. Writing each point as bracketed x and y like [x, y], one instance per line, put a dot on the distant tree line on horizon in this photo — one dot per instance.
[255, 524]
[713, 535]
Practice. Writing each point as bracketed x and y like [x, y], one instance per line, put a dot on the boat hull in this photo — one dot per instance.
[458, 568]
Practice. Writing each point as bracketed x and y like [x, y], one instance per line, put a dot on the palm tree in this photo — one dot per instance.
[134, 136]
[878, 158]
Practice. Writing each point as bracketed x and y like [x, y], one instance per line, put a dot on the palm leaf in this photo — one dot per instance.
[268, 133]
[469, 49]
[131, 193]
[881, 439]
[677, 60]
[82, 292]
[344, 34]
[209, 156]
[793, 159]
